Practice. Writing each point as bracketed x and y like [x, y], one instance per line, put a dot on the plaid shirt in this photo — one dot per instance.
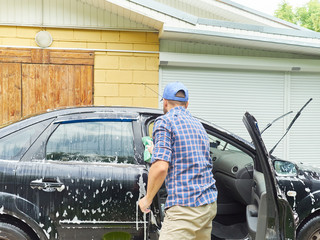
[182, 141]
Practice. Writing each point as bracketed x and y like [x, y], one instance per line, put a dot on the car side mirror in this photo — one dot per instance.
[284, 168]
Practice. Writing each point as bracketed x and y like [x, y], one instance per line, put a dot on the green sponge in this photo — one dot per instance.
[147, 141]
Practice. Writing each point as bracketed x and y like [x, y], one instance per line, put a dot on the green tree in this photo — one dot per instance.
[307, 16]
[285, 12]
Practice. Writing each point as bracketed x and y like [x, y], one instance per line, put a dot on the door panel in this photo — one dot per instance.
[34, 80]
[84, 176]
[53, 86]
[271, 215]
[10, 92]
[98, 196]
[256, 212]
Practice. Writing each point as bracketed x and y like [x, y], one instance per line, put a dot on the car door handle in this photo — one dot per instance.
[47, 185]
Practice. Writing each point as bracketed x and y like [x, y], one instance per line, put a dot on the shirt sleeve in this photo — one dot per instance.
[162, 141]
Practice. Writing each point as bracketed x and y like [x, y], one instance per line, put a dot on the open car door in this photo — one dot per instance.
[269, 216]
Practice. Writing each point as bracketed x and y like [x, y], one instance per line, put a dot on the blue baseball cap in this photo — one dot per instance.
[171, 90]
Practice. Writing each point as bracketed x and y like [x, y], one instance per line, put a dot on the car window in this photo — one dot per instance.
[215, 142]
[98, 141]
[218, 143]
[150, 129]
[225, 155]
[14, 145]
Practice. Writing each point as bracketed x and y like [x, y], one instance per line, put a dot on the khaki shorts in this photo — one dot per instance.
[188, 223]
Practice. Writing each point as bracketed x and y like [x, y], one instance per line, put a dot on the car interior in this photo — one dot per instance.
[233, 172]
[241, 192]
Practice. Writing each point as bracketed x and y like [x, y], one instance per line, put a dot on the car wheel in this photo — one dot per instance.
[311, 230]
[11, 232]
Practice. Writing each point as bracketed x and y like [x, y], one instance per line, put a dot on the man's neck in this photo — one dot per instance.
[174, 106]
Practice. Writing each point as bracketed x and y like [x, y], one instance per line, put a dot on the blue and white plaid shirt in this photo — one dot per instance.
[181, 140]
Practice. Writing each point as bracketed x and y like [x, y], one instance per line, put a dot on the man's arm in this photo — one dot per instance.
[157, 174]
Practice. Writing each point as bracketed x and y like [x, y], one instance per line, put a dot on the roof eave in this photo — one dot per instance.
[268, 43]
[263, 15]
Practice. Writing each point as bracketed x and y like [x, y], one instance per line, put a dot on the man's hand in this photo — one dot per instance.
[150, 148]
[157, 173]
[144, 205]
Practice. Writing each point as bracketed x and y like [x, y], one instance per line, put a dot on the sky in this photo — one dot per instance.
[269, 6]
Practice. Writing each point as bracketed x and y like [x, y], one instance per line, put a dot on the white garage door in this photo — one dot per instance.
[304, 139]
[223, 88]
[223, 96]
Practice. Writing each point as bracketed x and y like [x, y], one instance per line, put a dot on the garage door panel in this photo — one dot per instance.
[223, 96]
[305, 134]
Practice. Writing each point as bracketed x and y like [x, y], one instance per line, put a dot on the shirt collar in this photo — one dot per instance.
[178, 108]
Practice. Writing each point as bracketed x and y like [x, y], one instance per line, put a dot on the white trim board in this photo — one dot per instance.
[239, 62]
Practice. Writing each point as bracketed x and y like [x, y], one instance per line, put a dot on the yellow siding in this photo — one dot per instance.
[120, 78]
[29, 33]
[103, 61]
[147, 77]
[110, 36]
[106, 90]
[133, 63]
[146, 102]
[120, 101]
[8, 31]
[123, 46]
[133, 37]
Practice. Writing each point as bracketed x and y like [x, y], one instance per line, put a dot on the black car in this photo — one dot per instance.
[78, 173]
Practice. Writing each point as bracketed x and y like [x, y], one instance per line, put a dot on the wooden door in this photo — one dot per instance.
[35, 80]
[10, 92]
[55, 86]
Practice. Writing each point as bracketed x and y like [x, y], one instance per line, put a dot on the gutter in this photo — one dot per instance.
[84, 49]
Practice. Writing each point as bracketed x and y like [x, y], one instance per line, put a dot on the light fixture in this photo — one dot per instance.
[296, 69]
[43, 39]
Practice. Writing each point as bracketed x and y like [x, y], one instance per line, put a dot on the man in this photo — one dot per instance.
[181, 156]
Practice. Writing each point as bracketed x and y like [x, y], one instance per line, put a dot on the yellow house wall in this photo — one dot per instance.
[120, 78]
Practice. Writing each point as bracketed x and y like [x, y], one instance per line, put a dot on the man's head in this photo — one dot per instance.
[175, 94]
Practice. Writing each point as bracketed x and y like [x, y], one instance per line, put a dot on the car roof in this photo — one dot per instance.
[128, 111]
[31, 119]
[84, 109]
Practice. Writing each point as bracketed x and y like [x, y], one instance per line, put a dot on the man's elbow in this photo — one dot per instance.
[161, 167]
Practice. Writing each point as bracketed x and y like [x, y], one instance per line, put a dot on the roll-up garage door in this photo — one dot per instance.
[223, 96]
[304, 138]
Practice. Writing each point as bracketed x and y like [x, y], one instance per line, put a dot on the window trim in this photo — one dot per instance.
[38, 132]
[211, 130]
[93, 120]
[57, 124]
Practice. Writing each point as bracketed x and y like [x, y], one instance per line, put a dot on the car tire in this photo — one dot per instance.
[310, 230]
[11, 232]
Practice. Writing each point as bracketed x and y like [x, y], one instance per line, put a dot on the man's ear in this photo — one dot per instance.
[187, 104]
[165, 102]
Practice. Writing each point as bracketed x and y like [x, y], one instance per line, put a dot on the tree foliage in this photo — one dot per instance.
[307, 16]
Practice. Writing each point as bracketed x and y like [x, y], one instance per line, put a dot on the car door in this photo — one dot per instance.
[15, 140]
[84, 178]
[269, 216]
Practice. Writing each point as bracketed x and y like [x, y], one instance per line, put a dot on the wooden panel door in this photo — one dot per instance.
[34, 80]
[49, 86]
[10, 92]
